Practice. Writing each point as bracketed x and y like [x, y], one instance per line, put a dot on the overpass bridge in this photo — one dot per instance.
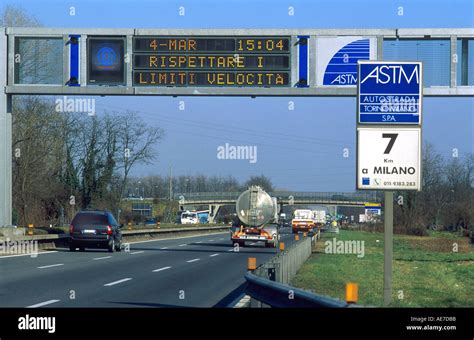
[215, 200]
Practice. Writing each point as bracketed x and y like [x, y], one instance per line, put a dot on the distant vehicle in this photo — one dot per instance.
[188, 217]
[303, 220]
[203, 216]
[151, 221]
[95, 229]
[257, 218]
[319, 217]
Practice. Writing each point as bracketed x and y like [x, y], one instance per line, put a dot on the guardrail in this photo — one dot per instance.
[283, 266]
[268, 285]
[275, 294]
[61, 240]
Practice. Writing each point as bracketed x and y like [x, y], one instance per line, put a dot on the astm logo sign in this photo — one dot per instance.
[342, 68]
[390, 92]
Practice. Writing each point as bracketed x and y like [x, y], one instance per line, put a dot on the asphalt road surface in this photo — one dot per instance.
[197, 271]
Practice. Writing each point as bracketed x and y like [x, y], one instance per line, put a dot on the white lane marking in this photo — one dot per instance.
[117, 282]
[164, 248]
[43, 303]
[252, 243]
[101, 258]
[34, 255]
[52, 265]
[213, 255]
[160, 269]
[198, 242]
[231, 249]
[211, 240]
[182, 245]
[137, 252]
[193, 260]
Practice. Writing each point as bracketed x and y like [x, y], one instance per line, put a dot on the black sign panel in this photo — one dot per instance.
[106, 61]
[211, 78]
[217, 61]
[225, 44]
[211, 61]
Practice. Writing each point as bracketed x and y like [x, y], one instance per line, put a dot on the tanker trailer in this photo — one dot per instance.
[257, 214]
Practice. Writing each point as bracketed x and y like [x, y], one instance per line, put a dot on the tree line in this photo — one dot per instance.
[446, 200]
[63, 162]
[157, 186]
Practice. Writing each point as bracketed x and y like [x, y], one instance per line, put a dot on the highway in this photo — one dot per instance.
[195, 271]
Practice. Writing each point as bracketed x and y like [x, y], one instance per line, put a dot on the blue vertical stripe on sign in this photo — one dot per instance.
[74, 62]
[303, 61]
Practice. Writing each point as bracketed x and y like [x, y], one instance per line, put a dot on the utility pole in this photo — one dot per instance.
[171, 183]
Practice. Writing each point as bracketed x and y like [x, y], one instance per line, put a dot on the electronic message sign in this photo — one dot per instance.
[211, 61]
[106, 61]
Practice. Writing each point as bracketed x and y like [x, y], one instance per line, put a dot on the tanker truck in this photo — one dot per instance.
[257, 218]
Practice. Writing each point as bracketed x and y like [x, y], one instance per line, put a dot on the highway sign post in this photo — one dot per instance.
[389, 98]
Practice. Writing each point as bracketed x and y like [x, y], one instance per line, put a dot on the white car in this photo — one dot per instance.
[189, 218]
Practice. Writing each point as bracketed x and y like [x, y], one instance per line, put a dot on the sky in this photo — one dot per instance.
[300, 149]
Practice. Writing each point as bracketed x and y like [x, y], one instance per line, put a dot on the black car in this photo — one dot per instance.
[95, 229]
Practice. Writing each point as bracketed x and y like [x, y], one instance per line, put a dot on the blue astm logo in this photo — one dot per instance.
[365, 181]
[106, 56]
[342, 68]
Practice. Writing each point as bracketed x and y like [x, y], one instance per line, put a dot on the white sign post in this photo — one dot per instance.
[389, 98]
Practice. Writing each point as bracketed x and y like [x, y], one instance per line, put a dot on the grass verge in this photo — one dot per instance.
[427, 271]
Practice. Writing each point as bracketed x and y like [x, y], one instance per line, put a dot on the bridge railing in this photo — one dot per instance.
[368, 196]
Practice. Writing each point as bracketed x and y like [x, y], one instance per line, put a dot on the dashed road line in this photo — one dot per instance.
[193, 260]
[182, 245]
[52, 265]
[101, 258]
[137, 252]
[117, 282]
[43, 303]
[160, 269]
[213, 255]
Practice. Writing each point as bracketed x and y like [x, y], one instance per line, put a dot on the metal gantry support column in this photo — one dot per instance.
[5, 139]
[388, 248]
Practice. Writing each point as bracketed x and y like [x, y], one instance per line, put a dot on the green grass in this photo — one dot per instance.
[426, 271]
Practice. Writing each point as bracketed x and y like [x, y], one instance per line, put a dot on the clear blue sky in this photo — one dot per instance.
[314, 162]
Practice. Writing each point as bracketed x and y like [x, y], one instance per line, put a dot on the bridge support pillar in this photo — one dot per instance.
[213, 211]
[5, 139]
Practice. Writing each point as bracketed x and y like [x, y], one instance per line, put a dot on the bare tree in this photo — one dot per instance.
[136, 143]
